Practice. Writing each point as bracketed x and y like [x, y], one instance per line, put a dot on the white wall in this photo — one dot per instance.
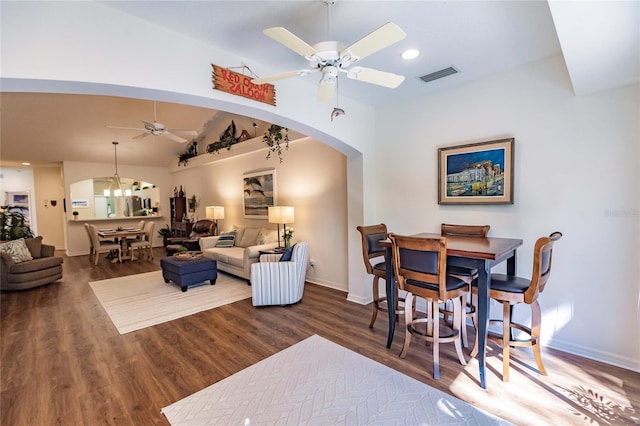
[576, 171]
[312, 178]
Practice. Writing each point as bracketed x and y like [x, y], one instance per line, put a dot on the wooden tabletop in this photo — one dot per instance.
[472, 247]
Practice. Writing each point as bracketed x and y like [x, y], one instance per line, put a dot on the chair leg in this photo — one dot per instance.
[376, 301]
[458, 316]
[435, 320]
[463, 321]
[506, 332]
[408, 317]
[536, 320]
[150, 252]
[119, 255]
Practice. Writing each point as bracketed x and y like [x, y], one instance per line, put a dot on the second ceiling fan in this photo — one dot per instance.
[155, 128]
[331, 57]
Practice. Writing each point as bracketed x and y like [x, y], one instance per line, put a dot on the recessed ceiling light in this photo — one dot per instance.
[26, 164]
[410, 54]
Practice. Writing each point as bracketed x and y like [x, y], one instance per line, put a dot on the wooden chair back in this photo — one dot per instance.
[542, 255]
[465, 230]
[420, 259]
[371, 235]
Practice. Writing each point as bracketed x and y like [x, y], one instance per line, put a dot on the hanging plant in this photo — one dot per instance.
[191, 152]
[275, 137]
[227, 139]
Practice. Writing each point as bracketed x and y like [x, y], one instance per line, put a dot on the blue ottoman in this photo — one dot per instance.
[189, 272]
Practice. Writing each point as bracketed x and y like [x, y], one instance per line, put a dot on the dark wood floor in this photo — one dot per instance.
[64, 363]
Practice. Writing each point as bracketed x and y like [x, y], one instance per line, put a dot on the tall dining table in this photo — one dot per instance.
[473, 252]
[122, 235]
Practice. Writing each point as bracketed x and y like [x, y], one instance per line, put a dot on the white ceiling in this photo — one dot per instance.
[599, 41]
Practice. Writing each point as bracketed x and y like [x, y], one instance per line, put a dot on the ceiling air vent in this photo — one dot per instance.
[438, 74]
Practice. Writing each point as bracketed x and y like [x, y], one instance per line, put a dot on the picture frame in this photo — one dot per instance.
[80, 204]
[476, 173]
[259, 193]
[19, 201]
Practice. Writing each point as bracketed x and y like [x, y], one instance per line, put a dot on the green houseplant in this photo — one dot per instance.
[165, 233]
[14, 223]
[275, 137]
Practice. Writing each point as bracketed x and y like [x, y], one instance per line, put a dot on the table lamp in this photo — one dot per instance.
[281, 215]
[214, 213]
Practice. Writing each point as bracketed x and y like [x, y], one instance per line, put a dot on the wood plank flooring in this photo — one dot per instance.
[64, 363]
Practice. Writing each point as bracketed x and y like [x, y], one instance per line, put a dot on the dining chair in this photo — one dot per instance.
[420, 266]
[103, 246]
[140, 225]
[467, 275]
[371, 235]
[512, 290]
[145, 242]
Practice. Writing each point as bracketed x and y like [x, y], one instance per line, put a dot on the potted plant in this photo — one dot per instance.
[274, 138]
[287, 235]
[14, 223]
[165, 233]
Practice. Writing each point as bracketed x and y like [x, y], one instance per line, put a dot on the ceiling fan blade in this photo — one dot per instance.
[173, 137]
[125, 128]
[381, 78]
[281, 76]
[290, 40]
[326, 90]
[183, 132]
[141, 135]
[384, 36]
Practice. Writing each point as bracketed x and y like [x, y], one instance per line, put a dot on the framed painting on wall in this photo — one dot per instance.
[476, 173]
[19, 202]
[259, 193]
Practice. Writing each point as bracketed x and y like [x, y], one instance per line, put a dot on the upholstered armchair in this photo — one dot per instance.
[279, 282]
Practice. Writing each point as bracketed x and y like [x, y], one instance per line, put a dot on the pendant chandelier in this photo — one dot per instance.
[116, 185]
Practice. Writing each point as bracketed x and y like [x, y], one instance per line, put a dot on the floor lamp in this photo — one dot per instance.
[281, 215]
[214, 213]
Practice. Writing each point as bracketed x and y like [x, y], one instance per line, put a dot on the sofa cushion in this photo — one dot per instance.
[249, 237]
[267, 236]
[35, 265]
[35, 246]
[17, 249]
[226, 239]
[239, 232]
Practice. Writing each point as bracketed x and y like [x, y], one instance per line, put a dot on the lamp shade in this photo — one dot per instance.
[281, 214]
[214, 212]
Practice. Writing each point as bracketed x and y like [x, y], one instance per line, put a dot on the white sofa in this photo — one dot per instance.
[248, 243]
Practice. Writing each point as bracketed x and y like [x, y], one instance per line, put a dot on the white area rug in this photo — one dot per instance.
[319, 382]
[138, 301]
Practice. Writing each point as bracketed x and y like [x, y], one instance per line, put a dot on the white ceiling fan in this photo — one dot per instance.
[331, 57]
[155, 128]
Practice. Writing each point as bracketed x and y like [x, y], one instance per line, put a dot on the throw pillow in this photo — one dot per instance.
[227, 239]
[287, 255]
[249, 237]
[17, 249]
[267, 236]
[239, 232]
[35, 246]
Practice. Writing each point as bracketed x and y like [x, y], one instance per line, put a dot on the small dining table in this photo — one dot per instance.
[471, 252]
[122, 234]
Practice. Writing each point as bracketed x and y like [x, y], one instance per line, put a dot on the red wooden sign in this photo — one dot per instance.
[241, 85]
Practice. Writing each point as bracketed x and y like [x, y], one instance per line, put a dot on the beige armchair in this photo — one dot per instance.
[281, 282]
